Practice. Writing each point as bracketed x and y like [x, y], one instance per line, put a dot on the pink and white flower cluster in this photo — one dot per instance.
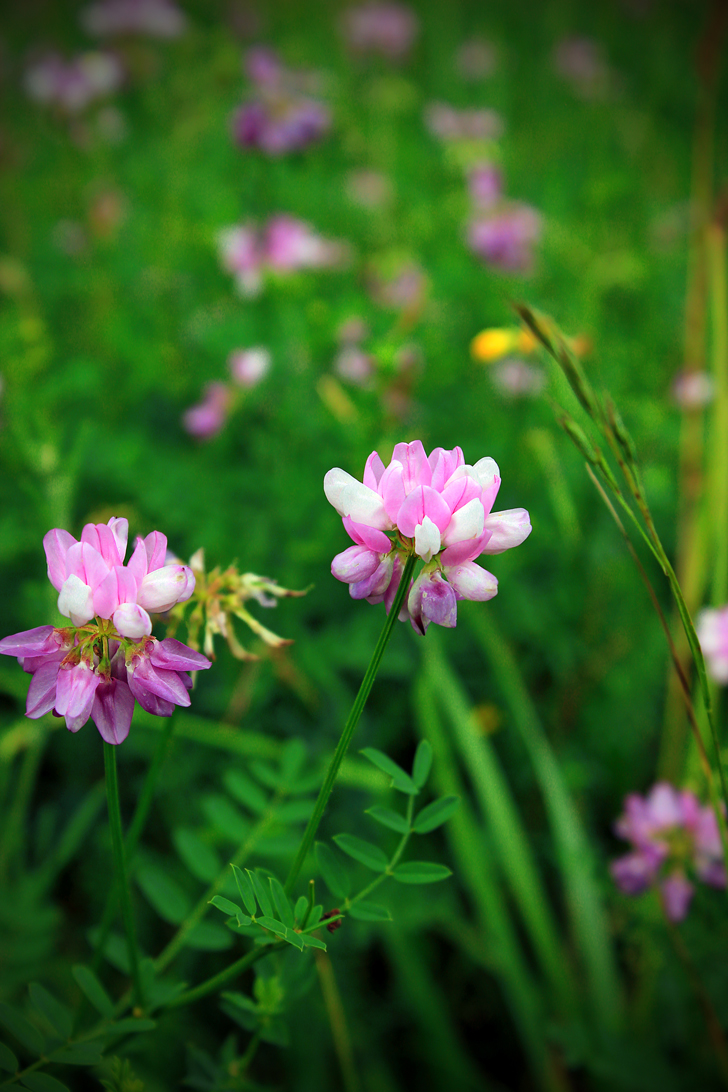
[712, 631]
[157, 18]
[384, 29]
[280, 117]
[106, 658]
[73, 85]
[670, 832]
[247, 368]
[283, 245]
[437, 507]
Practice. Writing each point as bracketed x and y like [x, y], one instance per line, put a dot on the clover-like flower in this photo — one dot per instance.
[106, 658]
[671, 834]
[437, 507]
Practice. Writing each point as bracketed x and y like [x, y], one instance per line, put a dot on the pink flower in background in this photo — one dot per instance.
[712, 631]
[485, 185]
[73, 85]
[435, 506]
[388, 30]
[449, 123]
[283, 245]
[580, 61]
[204, 420]
[354, 365]
[281, 117]
[249, 366]
[671, 833]
[693, 390]
[517, 379]
[106, 658]
[157, 18]
[506, 238]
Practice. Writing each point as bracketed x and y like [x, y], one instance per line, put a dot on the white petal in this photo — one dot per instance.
[351, 498]
[508, 529]
[486, 471]
[466, 523]
[472, 582]
[76, 601]
[427, 539]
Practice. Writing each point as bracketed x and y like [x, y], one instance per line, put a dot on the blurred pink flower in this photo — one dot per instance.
[354, 365]
[157, 18]
[87, 668]
[280, 117]
[693, 390]
[506, 238]
[485, 185]
[712, 630]
[241, 253]
[73, 85]
[249, 366]
[368, 188]
[517, 379]
[386, 29]
[670, 833]
[449, 123]
[580, 61]
[204, 420]
[283, 245]
[437, 507]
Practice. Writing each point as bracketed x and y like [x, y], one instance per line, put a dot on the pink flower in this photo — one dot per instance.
[517, 379]
[284, 245]
[449, 123]
[476, 59]
[693, 390]
[712, 630]
[73, 85]
[437, 507]
[204, 420]
[157, 18]
[506, 238]
[241, 254]
[281, 117]
[87, 668]
[249, 366]
[485, 185]
[381, 28]
[670, 833]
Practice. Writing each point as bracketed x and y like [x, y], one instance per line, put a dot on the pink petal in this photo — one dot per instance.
[416, 469]
[112, 710]
[392, 490]
[444, 464]
[132, 621]
[466, 550]
[117, 587]
[355, 564]
[164, 587]
[472, 582]
[94, 565]
[175, 656]
[367, 536]
[373, 471]
[156, 546]
[56, 544]
[460, 490]
[120, 530]
[102, 538]
[466, 524]
[138, 562]
[509, 528]
[488, 474]
[422, 501]
[42, 690]
[31, 642]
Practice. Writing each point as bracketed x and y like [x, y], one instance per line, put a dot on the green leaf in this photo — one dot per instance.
[294, 939]
[24, 1032]
[260, 893]
[265, 774]
[225, 905]
[206, 936]
[435, 814]
[200, 858]
[225, 817]
[295, 811]
[245, 791]
[58, 1016]
[7, 1059]
[420, 872]
[241, 1001]
[388, 818]
[92, 989]
[282, 902]
[292, 760]
[299, 911]
[272, 924]
[245, 887]
[422, 763]
[333, 871]
[163, 893]
[369, 911]
[370, 855]
[315, 916]
[400, 780]
[43, 1082]
[312, 942]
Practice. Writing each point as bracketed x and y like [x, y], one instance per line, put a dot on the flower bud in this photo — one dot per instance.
[164, 587]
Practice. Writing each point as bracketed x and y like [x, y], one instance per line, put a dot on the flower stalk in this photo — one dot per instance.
[122, 879]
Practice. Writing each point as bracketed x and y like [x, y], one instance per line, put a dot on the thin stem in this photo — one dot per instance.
[225, 976]
[712, 1023]
[395, 858]
[122, 881]
[349, 727]
[337, 1021]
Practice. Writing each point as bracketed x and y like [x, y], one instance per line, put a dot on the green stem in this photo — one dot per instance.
[225, 976]
[392, 864]
[349, 727]
[122, 881]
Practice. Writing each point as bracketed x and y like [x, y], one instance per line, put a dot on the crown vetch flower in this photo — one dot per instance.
[437, 507]
[106, 658]
[671, 834]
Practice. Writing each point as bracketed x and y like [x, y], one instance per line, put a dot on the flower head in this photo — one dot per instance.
[437, 507]
[280, 117]
[157, 18]
[712, 630]
[87, 669]
[72, 85]
[386, 29]
[671, 834]
[506, 238]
